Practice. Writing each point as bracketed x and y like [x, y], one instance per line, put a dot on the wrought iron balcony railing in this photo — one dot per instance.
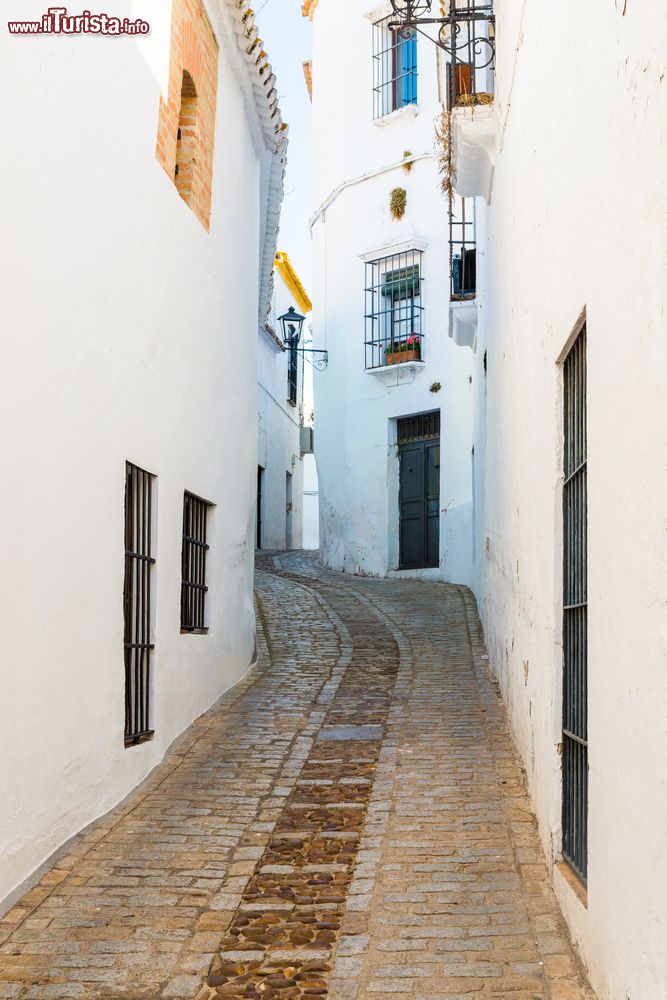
[388, 351]
[462, 249]
[469, 40]
[466, 32]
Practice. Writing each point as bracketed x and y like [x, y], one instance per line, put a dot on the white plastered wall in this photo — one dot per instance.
[577, 220]
[129, 334]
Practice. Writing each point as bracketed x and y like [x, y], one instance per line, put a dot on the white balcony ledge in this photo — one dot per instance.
[402, 371]
[474, 150]
[407, 113]
[463, 323]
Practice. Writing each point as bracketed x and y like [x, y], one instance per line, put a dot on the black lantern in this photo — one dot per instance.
[292, 324]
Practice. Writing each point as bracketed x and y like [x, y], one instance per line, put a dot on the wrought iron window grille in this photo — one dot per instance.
[394, 311]
[193, 563]
[293, 372]
[137, 604]
[466, 34]
[418, 428]
[575, 612]
[462, 249]
[394, 67]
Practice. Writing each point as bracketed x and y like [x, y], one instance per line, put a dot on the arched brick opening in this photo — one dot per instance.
[186, 139]
[186, 128]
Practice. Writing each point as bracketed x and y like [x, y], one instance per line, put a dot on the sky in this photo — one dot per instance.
[287, 42]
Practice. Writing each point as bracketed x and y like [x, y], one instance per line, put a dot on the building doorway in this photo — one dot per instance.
[419, 491]
[260, 503]
[288, 508]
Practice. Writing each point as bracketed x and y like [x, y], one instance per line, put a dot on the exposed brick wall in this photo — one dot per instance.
[194, 51]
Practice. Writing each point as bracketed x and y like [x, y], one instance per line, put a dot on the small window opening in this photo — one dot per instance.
[394, 67]
[194, 558]
[186, 139]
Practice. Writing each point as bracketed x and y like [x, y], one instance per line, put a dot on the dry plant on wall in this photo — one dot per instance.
[443, 142]
[407, 161]
[398, 202]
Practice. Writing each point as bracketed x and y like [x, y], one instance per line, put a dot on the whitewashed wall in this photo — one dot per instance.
[311, 504]
[356, 411]
[129, 334]
[577, 220]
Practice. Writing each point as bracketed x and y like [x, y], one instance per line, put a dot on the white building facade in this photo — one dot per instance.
[563, 436]
[570, 438]
[281, 417]
[127, 392]
[394, 408]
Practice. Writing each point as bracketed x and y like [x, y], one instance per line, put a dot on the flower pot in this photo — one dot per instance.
[398, 357]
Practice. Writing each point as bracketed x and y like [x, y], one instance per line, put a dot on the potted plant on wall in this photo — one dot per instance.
[399, 351]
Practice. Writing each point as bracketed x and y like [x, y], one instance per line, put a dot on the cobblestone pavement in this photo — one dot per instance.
[349, 822]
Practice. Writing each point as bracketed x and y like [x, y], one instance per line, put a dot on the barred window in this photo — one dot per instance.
[293, 373]
[394, 310]
[137, 603]
[394, 67]
[462, 248]
[194, 555]
[575, 611]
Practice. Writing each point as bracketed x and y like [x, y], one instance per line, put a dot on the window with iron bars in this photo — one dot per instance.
[575, 611]
[394, 67]
[293, 372]
[394, 310]
[462, 248]
[137, 603]
[419, 427]
[193, 563]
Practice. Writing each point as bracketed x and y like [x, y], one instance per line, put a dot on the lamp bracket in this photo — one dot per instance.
[319, 359]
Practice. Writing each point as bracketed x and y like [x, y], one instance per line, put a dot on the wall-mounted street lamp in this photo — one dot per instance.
[292, 328]
[292, 324]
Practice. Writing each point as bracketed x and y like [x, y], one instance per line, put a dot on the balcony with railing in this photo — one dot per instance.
[462, 249]
[463, 271]
[468, 38]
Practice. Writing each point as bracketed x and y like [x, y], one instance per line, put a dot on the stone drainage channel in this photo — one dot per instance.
[281, 940]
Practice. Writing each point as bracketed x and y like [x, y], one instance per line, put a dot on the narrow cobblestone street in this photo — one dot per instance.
[349, 822]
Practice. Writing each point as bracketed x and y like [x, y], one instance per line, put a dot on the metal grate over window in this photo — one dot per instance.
[419, 428]
[394, 310]
[462, 248]
[194, 553]
[575, 613]
[137, 594]
[293, 373]
[394, 67]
